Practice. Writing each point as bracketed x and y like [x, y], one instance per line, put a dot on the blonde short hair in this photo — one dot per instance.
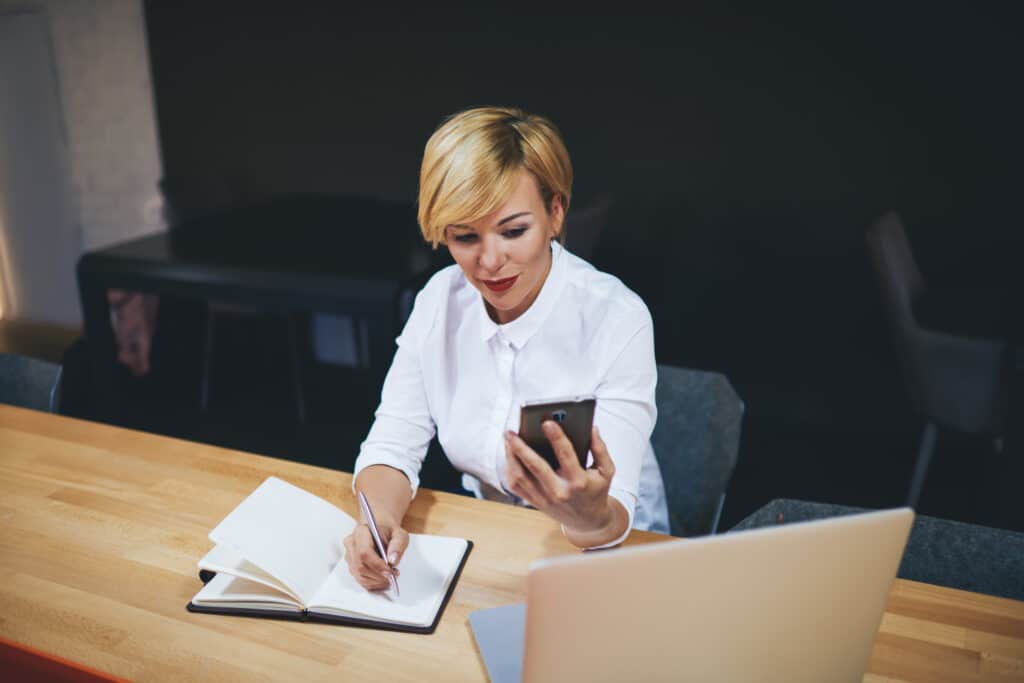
[471, 165]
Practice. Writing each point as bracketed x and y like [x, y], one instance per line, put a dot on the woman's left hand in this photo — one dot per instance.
[574, 496]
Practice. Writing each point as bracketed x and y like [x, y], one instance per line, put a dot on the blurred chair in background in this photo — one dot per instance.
[696, 443]
[940, 551]
[952, 381]
[583, 227]
[29, 382]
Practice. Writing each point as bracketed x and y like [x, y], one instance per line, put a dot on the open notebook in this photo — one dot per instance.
[280, 554]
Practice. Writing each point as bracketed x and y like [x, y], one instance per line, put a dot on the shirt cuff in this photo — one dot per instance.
[628, 501]
[367, 459]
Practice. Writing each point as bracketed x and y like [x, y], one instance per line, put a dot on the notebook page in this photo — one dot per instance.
[222, 560]
[427, 569]
[224, 590]
[287, 532]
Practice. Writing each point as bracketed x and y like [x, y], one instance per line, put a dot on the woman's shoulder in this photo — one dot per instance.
[444, 288]
[442, 285]
[602, 291]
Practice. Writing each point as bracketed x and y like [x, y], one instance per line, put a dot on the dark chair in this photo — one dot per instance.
[29, 382]
[696, 443]
[956, 382]
[583, 227]
[939, 551]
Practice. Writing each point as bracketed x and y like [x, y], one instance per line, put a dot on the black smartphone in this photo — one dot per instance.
[575, 415]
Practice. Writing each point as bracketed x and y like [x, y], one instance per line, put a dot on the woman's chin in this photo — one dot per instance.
[500, 309]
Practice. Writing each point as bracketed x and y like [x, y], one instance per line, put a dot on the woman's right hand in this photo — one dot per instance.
[361, 554]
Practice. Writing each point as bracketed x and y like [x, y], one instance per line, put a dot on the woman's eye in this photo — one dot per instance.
[466, 238]
[515, 232]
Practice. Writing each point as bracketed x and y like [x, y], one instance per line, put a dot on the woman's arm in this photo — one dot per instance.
[387, 469]
[618, 522]
[387, 490]
[403, 424]
[596, 505]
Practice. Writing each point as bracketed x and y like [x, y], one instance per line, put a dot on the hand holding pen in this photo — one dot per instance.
[378, 542]
[373, 558]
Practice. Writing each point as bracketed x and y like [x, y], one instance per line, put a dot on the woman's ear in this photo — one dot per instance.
[557, 214]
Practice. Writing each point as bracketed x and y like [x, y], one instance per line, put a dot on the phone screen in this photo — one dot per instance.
[576, 417]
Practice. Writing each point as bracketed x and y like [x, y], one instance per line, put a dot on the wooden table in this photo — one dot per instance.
[102, 528]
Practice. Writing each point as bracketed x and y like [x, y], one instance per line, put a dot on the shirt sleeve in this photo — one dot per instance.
[626, 414]
[402, 426]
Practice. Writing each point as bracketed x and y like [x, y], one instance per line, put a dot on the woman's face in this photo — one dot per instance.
[506, 255]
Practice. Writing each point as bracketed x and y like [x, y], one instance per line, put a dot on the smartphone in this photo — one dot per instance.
[575, 415]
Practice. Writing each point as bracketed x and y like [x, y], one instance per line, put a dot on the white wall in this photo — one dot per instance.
[99, 65]
[41, 238]
[103, 69]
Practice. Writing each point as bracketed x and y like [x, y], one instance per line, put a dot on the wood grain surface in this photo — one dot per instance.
[101, 528]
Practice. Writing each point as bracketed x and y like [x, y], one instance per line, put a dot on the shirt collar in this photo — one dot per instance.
[519, 331]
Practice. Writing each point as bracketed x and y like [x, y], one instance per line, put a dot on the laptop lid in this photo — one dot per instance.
[800, 602]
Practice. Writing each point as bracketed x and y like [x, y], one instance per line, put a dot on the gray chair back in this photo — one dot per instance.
[899, 277]
[696, 442]
[939, 551]
[584, 227]
[951, 380]
[29, 382]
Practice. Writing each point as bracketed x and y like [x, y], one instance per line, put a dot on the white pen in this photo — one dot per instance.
[372, 523]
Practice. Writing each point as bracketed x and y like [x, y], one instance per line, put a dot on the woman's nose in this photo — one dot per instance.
[492, 255]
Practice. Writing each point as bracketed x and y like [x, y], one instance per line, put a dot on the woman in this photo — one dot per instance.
[516, 318]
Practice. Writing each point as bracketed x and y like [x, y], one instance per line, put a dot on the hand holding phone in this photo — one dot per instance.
[578, 498]
[576, 417]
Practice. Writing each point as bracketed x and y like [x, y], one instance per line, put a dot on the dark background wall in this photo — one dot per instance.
[745, 149]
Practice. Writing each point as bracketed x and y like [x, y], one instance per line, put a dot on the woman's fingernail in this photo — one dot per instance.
[393, 558]
[548, 426]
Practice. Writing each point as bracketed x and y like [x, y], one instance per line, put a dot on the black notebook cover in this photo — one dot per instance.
[304, 615]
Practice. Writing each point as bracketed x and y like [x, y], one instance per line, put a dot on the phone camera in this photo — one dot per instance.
[558, 416]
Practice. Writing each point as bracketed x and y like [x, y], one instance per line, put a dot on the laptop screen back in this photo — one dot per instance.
[801, 602]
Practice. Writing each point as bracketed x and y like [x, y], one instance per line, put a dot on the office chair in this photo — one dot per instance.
[583, 227]
[29, 382]
[943, 552]
[952, 381]
[696, 443]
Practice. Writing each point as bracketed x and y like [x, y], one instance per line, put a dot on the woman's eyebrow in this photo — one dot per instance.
[514, 216]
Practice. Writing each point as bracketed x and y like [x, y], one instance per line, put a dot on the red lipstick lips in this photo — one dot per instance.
[500, 285]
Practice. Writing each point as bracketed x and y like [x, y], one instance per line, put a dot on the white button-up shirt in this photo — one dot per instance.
[458, 371]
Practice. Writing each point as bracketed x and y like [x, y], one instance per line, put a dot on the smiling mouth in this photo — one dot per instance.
[500, 285]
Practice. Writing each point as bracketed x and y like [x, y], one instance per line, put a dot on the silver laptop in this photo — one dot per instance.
[799, 602]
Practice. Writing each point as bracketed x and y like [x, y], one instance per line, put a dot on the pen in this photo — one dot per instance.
[372, 523]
